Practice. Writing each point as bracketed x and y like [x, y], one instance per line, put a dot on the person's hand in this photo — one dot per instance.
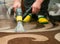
[16, 5]
[36, 7]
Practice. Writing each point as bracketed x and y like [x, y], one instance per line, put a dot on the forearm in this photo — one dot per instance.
[16, 1]
[40, 1]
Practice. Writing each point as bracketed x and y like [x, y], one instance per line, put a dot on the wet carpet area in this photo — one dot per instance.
[7, 23]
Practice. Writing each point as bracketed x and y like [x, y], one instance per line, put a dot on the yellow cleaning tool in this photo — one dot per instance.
[18, 18]
[19, 27]
[42, 19]
[27, 15]
[27, 18]
[18, 14]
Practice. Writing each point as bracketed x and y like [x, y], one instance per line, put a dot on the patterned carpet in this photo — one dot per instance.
[48, 37]
[33, 36]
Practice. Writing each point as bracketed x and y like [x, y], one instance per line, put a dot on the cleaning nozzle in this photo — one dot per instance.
[18, 14]
[19, 27]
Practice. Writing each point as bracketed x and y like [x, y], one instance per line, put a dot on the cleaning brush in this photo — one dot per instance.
[19, 27]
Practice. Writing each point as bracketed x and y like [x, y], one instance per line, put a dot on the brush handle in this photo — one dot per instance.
[26, 13]
[18, 12]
